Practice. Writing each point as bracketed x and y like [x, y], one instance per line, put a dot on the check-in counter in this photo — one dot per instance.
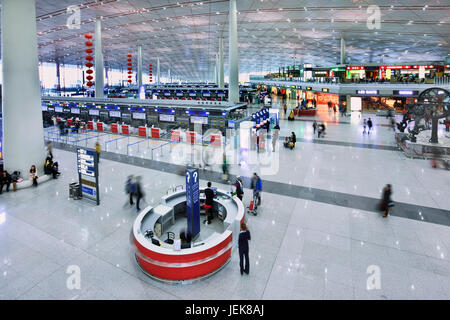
[142, 132]
[204, 256]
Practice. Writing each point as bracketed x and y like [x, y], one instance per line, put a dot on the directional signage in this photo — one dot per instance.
[193, 202]
[87, 164]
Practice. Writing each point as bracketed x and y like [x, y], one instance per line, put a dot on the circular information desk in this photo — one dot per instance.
[203, 256]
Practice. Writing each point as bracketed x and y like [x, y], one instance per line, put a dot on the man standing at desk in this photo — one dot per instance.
[209, 202]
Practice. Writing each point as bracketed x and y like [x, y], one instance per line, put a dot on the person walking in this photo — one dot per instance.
[275, 136]
[98, 150]
[285, 110]
[244, 237]
[239, 188]
[321, 131]
[138, 192]
[129, 188]
[364, 126]
[386, 201]
[314, 126]
[369, 125]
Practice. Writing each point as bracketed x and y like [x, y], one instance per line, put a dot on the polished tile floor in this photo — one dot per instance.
[302, 249]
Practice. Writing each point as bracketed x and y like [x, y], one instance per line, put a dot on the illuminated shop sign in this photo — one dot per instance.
[367, 92]
[406, 92]
[308, 88]
[395, 67]
[355, 68]
[425, 67]
[447, 66]
[325, 90]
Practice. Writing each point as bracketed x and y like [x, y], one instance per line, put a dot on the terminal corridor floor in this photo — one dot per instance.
[302, 247]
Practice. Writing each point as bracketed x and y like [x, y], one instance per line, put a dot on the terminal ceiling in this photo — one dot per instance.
[272, 33]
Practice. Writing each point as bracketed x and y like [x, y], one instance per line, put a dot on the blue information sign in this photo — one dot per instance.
[193, 202]
[87, 164]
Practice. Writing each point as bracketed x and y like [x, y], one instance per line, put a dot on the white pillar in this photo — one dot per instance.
[168, 77]
[99, 82]
[157, 72]
[23, 132]
[221, 70]
[139, 66]
[217, 69]
[233, 86]
[215, 73]
[342, 51]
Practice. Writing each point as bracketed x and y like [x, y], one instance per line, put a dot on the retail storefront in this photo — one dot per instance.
[371, 101]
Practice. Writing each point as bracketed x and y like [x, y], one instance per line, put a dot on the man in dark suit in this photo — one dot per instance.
[244, 237]
[209, 202]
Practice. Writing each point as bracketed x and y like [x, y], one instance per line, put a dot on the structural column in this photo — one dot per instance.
[217, 69]
[99, 82]
[233, 87]
[139, 66]
[342, 51]
[157, 72]
[23, 132]
[58, 75]
[169, 79]
[221, 70]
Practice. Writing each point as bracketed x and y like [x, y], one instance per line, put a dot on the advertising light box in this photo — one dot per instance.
[75, 110]
[199, 120]
[139, 115]
[59, 109]
[167, 117]
[114, 114]
[94, 112]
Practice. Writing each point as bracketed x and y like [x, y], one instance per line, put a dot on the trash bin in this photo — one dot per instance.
[74, 191]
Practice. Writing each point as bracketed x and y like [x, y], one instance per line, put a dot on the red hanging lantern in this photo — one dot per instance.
[129, 55]
[130, 72]
[89, 59]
